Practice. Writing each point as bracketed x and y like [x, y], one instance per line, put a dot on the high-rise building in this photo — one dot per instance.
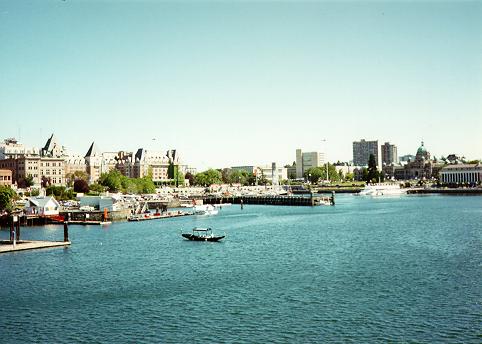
[389, 154]
[362, 150]
[307, 160]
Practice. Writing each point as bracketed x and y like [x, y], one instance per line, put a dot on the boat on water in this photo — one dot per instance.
[202, 234]
[205, 209]
[382, 189]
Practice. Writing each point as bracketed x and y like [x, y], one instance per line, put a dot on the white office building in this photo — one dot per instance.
[461, 174]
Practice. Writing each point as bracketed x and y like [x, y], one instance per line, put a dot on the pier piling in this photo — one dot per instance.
[66, 232]
[17, 229]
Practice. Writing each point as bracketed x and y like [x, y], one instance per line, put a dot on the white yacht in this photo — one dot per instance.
[382, 189]
[205, 209]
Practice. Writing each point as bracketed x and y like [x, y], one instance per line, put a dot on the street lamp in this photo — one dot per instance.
[327, 179]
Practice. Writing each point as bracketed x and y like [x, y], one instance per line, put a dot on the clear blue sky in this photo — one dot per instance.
[242, 83]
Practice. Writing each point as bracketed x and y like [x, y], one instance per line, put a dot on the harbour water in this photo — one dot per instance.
[402, 269]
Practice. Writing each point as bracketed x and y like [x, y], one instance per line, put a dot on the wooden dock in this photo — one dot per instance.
[7, 246]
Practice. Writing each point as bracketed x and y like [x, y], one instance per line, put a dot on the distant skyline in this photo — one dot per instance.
[245, 82]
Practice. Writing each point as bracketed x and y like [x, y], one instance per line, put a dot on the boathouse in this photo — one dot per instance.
[42, 205]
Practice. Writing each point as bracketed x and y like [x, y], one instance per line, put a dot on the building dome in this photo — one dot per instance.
[421, 150]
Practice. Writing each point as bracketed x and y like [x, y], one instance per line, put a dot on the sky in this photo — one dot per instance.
[242, 83]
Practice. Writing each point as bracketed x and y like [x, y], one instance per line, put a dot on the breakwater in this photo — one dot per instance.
[309, 200]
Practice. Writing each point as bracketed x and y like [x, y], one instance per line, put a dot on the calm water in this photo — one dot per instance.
[368, 270]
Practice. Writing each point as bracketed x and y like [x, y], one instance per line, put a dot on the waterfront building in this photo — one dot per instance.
[454, 159]
[44, 170]
[52, 148]
[11, 149]
[187, 169]
[273, 173]
[291, 170]
[389, 153]
[74, 163]
[362, 150]
[124, 163]
[422, 167]
[42, 205]
[154, 162]
[461, 174]
[5, 177]
[307, 160]
[93, 161]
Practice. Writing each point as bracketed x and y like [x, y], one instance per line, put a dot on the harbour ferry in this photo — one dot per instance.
[202, 234]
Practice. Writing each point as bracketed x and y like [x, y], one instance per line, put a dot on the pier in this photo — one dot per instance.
[7, 246]
[287, 200]
[15, 244]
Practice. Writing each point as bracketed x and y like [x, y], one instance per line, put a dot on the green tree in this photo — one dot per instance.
[112, 180]
[29, 181]
[349, 176]
[314, 174]
[208, 177]
[96, 188]
[372, 169]
[61, 193]
[7, 196]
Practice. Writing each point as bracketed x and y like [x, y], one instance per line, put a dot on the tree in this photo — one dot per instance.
[96, 188]
[112, 180]
[80, 185]
[372, 169]
[314, 174]
[189, 176]
[208, 177]
[60, 192]
[225, 173]
[73, 176]
[6, 197]
[349, 176]
[26, 182]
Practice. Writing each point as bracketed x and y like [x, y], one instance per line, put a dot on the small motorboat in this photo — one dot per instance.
[202, 234]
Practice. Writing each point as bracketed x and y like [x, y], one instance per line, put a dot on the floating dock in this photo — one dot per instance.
[7, 245]
[146, 217]
[89, 222]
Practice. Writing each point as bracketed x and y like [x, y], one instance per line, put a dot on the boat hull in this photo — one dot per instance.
[201, 238]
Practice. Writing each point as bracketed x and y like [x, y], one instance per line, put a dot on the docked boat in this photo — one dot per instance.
[205, 209]
[382, 189]
[202, 234]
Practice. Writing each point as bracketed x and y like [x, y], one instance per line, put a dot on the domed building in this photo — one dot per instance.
[422, 167]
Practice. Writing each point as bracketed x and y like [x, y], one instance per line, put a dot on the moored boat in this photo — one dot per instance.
[205, 209]
[382, 189]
